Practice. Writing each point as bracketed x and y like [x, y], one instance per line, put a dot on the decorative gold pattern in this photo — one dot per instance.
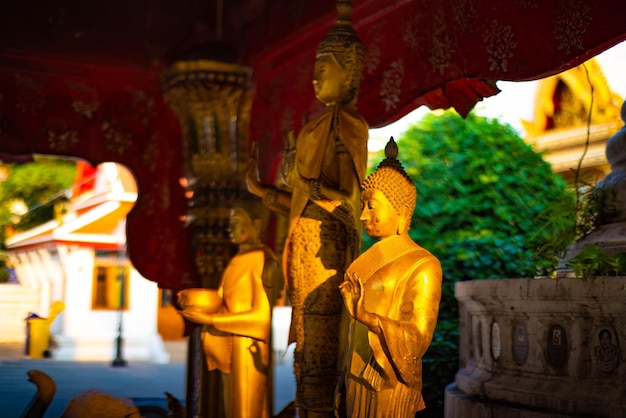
[86, 109]
[374, 51]
[499, 43]
[115, 140]
[464, 14]
[392, 85]
[572, 24]
[410, 33]
[62, 141]
[443, 49]
[85, 101]
[208, 96]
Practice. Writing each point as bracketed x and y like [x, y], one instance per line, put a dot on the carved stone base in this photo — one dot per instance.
[540, 348]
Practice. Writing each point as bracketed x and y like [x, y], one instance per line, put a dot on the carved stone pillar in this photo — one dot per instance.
[212, 100]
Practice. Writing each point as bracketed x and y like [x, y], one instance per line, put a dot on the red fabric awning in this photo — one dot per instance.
[86, 83]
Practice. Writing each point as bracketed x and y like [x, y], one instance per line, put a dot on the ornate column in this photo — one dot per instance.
[212, 100]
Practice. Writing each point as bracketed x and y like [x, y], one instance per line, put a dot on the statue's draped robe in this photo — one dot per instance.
[238, 343]
[323, 238]
[383, 370]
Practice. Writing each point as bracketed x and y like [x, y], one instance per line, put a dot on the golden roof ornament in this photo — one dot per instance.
[391, 179]
[344, 44]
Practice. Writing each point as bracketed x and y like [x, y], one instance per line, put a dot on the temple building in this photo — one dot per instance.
[575, 113]
[79, 258]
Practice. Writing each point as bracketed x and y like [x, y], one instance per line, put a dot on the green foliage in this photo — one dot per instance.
[480, 190]
[39, 184]
[556, 230]
[569, 220]
[594, 204]
[592, 261]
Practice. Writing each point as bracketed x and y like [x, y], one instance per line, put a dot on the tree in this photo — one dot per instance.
[480, 189]
[37, 186]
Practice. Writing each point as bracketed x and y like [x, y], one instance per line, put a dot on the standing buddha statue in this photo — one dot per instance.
[392, 293]
[323, 207]
[236, 318]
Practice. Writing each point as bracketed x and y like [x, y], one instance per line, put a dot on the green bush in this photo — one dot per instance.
[592, 261]
[40, 185]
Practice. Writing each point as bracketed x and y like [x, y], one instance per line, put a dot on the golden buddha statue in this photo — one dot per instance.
[323, 207]
[236, 318]
[392, 294]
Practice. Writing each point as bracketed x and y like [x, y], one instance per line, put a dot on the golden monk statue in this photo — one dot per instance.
[323, 206]
[236, 318]
[392, 294]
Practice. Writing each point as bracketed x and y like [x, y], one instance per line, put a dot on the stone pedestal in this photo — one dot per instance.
[540, 348]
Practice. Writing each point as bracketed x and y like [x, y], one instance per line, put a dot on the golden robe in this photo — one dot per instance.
[238, 342]
[383, 369]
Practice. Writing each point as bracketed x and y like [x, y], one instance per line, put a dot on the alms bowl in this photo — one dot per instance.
[205, 300]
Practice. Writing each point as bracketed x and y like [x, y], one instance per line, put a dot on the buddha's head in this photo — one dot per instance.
[339, 61]
[248, 220]
[388, 196]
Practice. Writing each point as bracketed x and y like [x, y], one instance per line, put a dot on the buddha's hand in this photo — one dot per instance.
[353, 293]
[253, 179]
[197, 316]
[351, 289]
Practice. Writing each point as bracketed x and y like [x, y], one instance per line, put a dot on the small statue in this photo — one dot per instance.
[392, 294]
[237, 317]
[323, 206]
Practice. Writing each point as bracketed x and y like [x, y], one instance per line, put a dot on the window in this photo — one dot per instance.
[110, 287]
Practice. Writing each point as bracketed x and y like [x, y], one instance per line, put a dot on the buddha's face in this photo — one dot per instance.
[379, 217]
[329, 79]
[241, 228]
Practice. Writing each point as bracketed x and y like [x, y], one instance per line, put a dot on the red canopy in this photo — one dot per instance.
[84, 80]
